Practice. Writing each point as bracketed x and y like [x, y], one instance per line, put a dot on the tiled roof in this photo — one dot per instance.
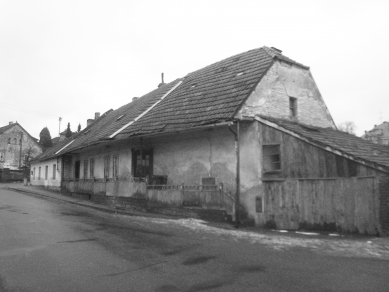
[346, 143]
[210, 95]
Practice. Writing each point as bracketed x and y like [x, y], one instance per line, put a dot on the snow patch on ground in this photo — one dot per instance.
[341, 247]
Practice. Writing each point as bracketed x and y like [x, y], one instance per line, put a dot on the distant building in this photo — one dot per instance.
[17, 146]
[379, 134]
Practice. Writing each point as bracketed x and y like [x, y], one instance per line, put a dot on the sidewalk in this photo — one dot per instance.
[41, 192]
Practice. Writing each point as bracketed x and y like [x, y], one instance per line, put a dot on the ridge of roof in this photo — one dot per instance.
[276, 54]
[348, 145]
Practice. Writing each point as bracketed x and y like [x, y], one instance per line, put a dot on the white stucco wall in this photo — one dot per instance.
[284, 81]
[49, 181]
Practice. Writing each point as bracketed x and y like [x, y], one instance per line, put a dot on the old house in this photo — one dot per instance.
[227, 137]
[379, 134]
[17, 147]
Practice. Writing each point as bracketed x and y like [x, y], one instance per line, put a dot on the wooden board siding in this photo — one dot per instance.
[300, 159]
[346, 204]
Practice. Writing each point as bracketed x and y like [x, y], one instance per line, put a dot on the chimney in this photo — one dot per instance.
[89, 121]
[162, 83]
[11, 122]
[135, 98]
[97, 115]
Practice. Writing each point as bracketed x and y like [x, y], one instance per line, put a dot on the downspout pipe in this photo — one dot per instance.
[237, 152]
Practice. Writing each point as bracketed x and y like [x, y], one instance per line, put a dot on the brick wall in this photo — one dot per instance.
[384, 204]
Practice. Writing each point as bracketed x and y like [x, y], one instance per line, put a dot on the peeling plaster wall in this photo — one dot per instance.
[50, 182]
[186, 158]
[282, 81]
[11, 152]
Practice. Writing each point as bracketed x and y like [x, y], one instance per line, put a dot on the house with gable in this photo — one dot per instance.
[17, 147]
[249, 136]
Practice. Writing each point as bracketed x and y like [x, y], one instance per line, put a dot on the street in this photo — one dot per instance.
[51, 245]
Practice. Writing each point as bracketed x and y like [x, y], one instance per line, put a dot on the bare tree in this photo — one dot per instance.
[348, 127]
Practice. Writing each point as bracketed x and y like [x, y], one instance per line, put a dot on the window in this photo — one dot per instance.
[15, 141]
[54, 170]
[106, 166]
[114, 166]
[92, 168]
[271, 158]
[1, 156]
[39, 174]
[46, 172]
[142, 164]
[20, 141]
[33, 174]
[292, 107]
[85, 168]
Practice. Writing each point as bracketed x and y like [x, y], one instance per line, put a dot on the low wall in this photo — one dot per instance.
[348, 205]
[8, 175]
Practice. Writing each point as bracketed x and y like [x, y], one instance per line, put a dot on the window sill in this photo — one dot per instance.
[273, 172]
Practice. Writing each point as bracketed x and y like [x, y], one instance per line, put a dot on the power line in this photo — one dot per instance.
[36, 113]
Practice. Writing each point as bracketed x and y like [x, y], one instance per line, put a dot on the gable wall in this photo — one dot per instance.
[11, 151]
[271, 96]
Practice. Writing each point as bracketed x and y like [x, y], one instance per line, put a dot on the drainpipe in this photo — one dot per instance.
[237, 193]
[20, 154]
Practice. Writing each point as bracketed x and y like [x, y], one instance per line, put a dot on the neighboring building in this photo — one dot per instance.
[17, 146]
[379, 134]
[176, 147]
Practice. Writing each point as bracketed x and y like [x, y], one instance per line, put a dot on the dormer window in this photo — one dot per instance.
[292, 107]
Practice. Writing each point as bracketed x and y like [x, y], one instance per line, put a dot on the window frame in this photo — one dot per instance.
[92, 168]
[54, 171]
[106, 166]
[140, 171]
[115, 166]
[269, 161]
[85, 172]
[292, 107]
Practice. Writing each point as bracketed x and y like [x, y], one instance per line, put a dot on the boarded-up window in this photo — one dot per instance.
[39, 174]
[271, 158]
[1, 156]
[34, 173]
[54, 170]
[46, 172]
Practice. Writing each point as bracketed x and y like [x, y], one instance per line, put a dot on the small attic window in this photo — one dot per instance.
[193, 86]
[239, 74]
[119, 117]
[292, 107]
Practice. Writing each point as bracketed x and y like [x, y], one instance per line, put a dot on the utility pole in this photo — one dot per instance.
[59, 129]
[20, 154]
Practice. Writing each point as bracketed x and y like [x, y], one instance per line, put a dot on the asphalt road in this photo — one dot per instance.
[49, 245]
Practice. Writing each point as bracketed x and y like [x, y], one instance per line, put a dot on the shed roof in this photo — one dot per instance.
[349, 145]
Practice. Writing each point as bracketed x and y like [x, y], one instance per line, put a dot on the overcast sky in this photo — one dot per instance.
[71, 59]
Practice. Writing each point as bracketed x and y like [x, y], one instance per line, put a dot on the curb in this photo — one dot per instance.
[103, 209]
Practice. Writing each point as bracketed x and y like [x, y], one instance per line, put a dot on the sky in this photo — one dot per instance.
[70, 59]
